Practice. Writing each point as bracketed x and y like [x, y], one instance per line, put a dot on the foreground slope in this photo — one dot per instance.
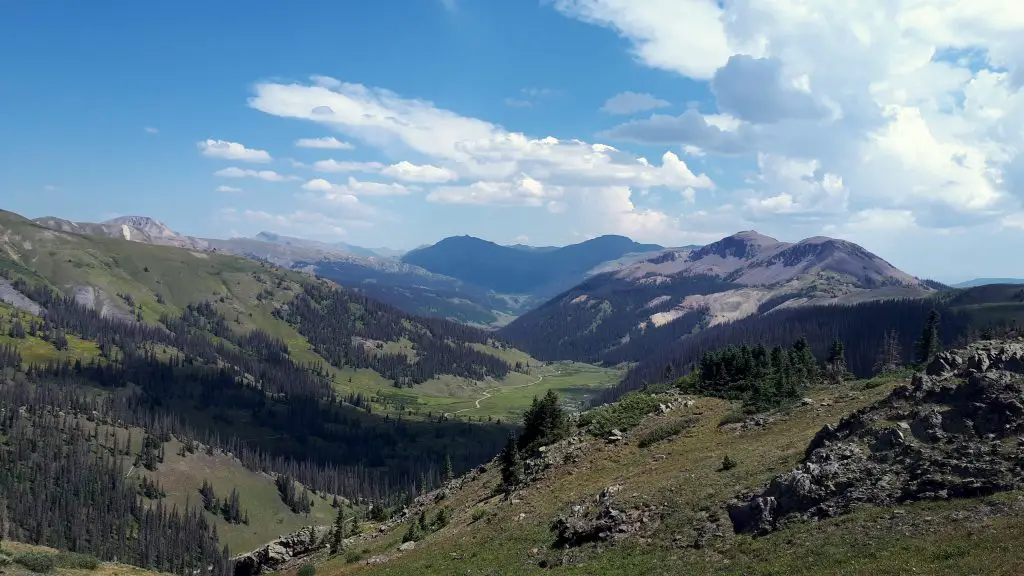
[655, 502]
[619, 315]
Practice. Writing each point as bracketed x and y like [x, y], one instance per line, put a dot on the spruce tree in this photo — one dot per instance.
[339, 532]
[929, 344]
[446, 471]
[511, 465]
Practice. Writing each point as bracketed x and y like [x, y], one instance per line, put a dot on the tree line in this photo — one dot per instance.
[64, 488]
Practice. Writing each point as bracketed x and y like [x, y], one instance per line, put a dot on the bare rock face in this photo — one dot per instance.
[283, 552]
[954, 432]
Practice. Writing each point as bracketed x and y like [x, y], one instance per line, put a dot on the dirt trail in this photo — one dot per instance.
[487, 394]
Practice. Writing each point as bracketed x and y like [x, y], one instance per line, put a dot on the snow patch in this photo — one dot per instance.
[579, 299]
[126, 232]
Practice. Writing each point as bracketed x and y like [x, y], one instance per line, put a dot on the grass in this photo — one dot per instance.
[682, 475]
[181, 477]
[66, 563]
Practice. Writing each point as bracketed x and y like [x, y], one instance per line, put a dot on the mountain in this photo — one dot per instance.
[540, 273]
[375, 272]
[620, 315]
[134, 228]
[987, 281]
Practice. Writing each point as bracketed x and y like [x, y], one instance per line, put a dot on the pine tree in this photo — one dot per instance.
[446, 471]
[929, 344]
[339, 532]
[424, 527]
[511, 465]
[835, 364]
[890, 357]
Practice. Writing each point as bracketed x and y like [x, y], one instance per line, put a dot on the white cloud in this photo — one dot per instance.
[523, 191]
[355, 187]
[151, 130]
[517, 103]
[311, 224]
[232, 151]
[521, 239]
[325, 143]
[427, 173]
[472, 148]
[631, 102]
[268, 175]
[332, 165]
[223, 188]
[889, 105]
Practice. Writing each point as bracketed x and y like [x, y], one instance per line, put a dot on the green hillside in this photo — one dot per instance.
[657, 501]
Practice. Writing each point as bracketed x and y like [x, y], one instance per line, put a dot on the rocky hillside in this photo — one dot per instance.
[885, 476]
[134, 228]
[670, 295]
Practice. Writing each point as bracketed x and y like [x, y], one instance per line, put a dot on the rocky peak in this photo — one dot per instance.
[150, 226]
[745, 245]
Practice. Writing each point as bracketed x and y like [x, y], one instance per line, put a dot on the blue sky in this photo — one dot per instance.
[673, 121]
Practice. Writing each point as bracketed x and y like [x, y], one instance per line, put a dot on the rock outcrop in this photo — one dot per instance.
[606, 521]
[954, 432]
[284, 552]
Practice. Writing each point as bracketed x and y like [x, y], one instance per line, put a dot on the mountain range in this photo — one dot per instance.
[615, 315]
[460, 278]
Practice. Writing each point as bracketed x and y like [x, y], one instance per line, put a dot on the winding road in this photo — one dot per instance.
[487, 394]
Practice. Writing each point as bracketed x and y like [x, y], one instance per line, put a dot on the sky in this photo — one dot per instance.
[896, 124]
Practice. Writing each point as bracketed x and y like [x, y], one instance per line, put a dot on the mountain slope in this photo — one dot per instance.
[512, 270]
[623, 315]
[374, 272]
[841, 468]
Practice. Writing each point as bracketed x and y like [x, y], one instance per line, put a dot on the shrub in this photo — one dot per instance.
[353, 556]
[307, 569]
[479, 514]
[622, 415]
[733, 417]
[77, 560]
[728, 463]
[4, 560]
[666, 431]
[36, 561]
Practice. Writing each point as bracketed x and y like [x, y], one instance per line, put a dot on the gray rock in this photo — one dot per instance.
[284, 552]
[938, 438]
[406, 546]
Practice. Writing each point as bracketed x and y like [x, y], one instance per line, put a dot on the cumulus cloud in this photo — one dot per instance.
[427, 173]
[506, 168]
[355, 187]
[632, 102]
[310, 224]
[847, 109]
[332, 165]
[232, 151]
[325, 143]
[523, 191]
[268, 175]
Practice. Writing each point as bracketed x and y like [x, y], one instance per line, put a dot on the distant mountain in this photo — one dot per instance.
[516, 270]
[620, 315]
[134, 228]
[988, 281]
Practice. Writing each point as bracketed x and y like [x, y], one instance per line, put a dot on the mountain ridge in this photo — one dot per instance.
[678, 292]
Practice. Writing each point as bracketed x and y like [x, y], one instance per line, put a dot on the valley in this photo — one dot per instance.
[264, 398]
